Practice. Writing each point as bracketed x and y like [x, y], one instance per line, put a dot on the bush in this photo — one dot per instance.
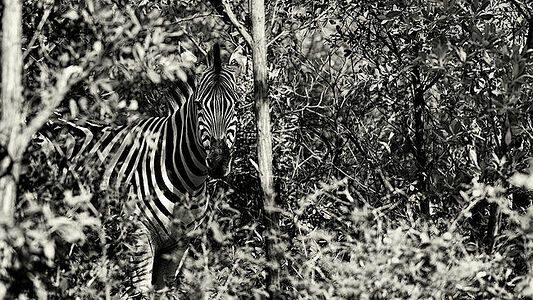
[354, 155]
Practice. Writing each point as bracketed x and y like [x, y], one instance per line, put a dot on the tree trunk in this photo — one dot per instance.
[11, 121]
[264, 143]
[420, 154]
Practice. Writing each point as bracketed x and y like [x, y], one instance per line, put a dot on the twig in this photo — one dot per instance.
[386, 207]
[63, 85]
[247, 37]
[282, 34]
[433, 82]
[197, 45]
[195, 16]
[38, 30]
[392, 45]
[385, 181]
[463, 213]
[233, 19]
[274, 15]
[182, 261]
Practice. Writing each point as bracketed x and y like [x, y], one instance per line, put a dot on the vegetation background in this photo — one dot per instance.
[402, 142]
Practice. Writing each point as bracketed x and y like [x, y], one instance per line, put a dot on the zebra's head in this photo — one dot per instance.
[217, 121]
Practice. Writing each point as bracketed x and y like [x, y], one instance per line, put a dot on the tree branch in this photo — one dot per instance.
[279, 36]
[433, 82]
[47, 11]
[193, 17]
[55, 96]
[197, 45]
[223, 8]
[392, 45]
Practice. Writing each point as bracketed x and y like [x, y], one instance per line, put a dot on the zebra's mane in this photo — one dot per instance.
[217, 62]
[181, 91]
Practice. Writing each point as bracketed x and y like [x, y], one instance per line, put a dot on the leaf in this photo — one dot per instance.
[424, 238]
[522, 180]
[393, 14]
[71, 14]
[139, 50]
[38, 288]
[97, 46]
[462, 54]
[181, 75]
[68, 229]
[153, 76]
[217, 234]
[49, 250]
[157, 36]
[88, 221]
[73, 108]
[71, 234]
[189, 57]
[3, 290]
[72, 200]
[508, 137]
[106, 86]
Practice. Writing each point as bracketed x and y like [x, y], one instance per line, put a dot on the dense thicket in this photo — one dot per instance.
[402, 149]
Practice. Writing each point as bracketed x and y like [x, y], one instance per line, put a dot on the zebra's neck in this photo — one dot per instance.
[188, 155]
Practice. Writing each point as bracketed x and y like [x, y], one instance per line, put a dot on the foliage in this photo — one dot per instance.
[354, 153]
[369, 258]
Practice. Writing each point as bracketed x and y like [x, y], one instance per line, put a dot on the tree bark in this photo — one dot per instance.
[264, 143]
[12, 118]
[420, 154]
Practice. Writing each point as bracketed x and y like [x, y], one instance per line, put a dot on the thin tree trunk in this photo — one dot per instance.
[493, 226]
[264, 144]
[420, 154]
[11, 121]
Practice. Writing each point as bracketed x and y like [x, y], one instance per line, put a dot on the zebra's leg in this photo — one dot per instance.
[168, 263]
[143, 262]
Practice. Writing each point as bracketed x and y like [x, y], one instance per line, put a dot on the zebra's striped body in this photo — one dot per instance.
[163, 163]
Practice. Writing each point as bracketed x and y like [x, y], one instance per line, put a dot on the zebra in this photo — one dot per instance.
[164, 163]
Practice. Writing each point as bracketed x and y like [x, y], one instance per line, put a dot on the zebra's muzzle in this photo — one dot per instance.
[218, 159]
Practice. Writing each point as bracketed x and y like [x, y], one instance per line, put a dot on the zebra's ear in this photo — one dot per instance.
[238, 60]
